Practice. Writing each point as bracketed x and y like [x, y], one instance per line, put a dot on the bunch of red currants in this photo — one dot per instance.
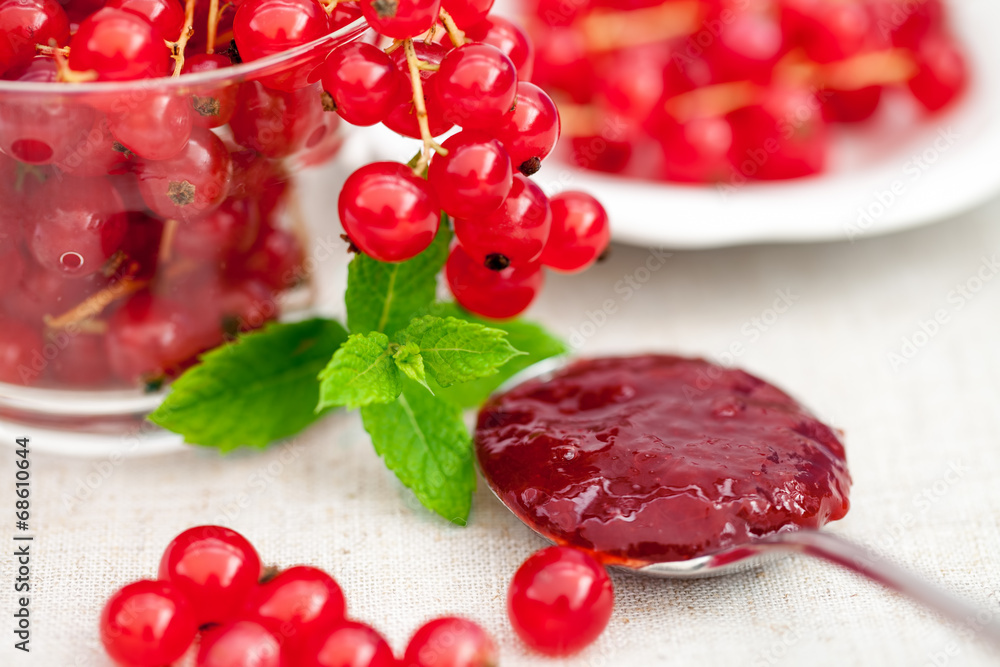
[213, 599]
[151, 216]
[726, 91]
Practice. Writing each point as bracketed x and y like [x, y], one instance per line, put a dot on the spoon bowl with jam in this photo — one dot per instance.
[676, 467]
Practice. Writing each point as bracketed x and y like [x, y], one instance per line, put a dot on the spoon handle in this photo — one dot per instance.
[972, 621]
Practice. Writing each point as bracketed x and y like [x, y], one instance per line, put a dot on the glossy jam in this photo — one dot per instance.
[659, 458]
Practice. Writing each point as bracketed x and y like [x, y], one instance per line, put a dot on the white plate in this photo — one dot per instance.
[938, 167]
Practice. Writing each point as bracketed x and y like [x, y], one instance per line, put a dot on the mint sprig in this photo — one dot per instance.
[410, 363]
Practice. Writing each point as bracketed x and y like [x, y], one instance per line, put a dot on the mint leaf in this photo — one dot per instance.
[528, 337]
[384, 297]
[257, 390]
[424, 441]
[457, 351]
[361, 373]
[409, 360]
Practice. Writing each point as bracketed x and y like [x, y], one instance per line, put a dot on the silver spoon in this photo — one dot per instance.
[815, 543]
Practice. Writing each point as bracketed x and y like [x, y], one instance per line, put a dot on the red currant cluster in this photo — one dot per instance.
[470, 71]
[212, 599]
[726, 91]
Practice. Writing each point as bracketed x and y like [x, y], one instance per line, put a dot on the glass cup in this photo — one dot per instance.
[143, 223]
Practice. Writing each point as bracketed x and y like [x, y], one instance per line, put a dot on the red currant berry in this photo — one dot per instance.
[25, 23]
[531, 132]
[81, 362]
[150, 337]
[276, 123]
[403, 119]
[512, 41]
[81, 224]
[12, 264]
[474, 178]
[495, 294]
[19, 344]
[213, 107]
[827, 31]
[942, 73]
[240, 644]
[401, 19]
[147, 624]
[451, 642]
[389, 213]
[263, 28]
[41, 292]
[560, 600]
[157, 129]
[276, 259]
[851, 106]
[748, 47]
[166, 15]
[119, 46]
[476, 86]
[564, 63]
[215, 568]
[230, 229]
[297, 604]
[515, 234]
[349, 644]
[363, 82]
[190, 184]
[580, 232]
[696, 151]
[467, 13]
[42, 133]
[95, 153]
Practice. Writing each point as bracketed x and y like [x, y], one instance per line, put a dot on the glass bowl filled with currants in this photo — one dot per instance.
[149, 153]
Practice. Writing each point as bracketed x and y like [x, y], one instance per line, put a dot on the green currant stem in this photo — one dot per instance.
[420, 105]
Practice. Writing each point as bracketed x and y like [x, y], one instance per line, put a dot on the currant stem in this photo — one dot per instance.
[716, 100]
[612, 29]
[95, 304]
[187, 31]
[330, 5]
[167, 240]
[213, 25]
[43, 50]
[454, 32]
[63, 71]
[420, 105]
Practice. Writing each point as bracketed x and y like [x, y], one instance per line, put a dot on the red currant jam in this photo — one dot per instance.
[659, 458]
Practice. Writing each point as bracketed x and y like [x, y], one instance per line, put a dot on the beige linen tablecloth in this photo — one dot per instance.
[894, 340]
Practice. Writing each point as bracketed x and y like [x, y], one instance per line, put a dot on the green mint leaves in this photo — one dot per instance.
[410, 363]
[260, 389]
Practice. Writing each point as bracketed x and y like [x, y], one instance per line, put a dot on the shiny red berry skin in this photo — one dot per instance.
[166, 15]
[25, 23]
[94, 153]
[697, 150]
[474, 178]
[81, 224]
[297, 604]
[364, 83]
[518, 230]
[476, 86]
[43, 133]
[451, 642]
[942, 73]
[19, 343]
[119, 46]
[851, 106]
[210, 107]
[263, 28]
[276, 123]
[147, 624]
[150, 337]
[157, 129]
[403, 118]
[560, 600]
[507, 36]
[401, 19]
[230, 229]
[215, 568]
[467, 13]
[531, 132]
[498, 295]
[191, 184]
[390, 214]
[240, 644]
[580, 232]
[348, 644]
[276, 259]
